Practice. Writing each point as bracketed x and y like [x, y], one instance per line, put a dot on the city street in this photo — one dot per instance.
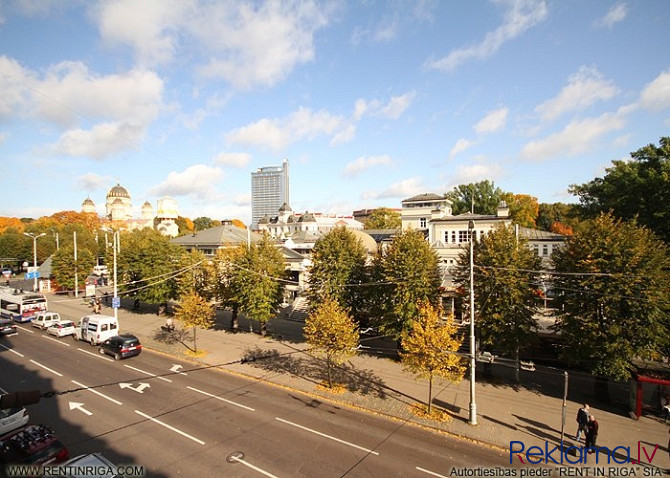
[176, 419]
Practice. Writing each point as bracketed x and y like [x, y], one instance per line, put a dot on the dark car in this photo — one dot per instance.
[32, 445]
[7, 327]
[121, 346]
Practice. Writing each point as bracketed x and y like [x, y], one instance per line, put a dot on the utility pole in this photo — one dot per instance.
[473, 358]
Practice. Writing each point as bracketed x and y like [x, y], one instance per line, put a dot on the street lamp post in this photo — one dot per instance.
[30, 234]
[116, 246]
[473, 359]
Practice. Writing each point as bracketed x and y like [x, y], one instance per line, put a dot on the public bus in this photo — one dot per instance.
[21, 306]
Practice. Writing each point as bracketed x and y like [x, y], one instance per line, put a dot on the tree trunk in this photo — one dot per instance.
[430, 393]
[330, 378]
[234, 325]
[195, 344]
[264, 329]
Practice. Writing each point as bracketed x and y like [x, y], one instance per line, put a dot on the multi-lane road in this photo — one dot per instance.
[178, 420]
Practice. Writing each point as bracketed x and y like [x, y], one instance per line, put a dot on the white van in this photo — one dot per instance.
[95, 329]
[100, 271]
[44, 320]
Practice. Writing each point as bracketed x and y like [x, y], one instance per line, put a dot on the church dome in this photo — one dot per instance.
[118, 191]
[88, 202]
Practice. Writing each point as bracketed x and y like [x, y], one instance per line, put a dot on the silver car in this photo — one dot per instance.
[62, 328]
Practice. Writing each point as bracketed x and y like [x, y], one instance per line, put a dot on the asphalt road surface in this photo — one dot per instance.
[176, 419]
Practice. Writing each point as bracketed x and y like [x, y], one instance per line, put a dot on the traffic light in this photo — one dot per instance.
[19, 399]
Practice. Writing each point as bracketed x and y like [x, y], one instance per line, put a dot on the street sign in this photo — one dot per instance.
[116, 302]
[32, 275]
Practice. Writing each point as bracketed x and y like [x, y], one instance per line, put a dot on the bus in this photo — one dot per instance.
[21, 306]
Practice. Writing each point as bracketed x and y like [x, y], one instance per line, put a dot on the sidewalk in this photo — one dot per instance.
[379, 385]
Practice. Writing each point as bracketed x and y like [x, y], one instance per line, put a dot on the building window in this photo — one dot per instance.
[453, 237]
[463, 236]
[422, 223]
[545, 250]
[446, 237]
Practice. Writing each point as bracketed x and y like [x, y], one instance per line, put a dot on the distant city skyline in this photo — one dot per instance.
[371, 102]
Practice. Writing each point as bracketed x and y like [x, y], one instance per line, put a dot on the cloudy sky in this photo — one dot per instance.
[370, 101]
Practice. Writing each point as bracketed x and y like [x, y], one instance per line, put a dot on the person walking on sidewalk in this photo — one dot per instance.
[582, 421]
[591, 433]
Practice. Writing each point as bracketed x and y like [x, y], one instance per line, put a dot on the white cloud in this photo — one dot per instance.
[403, 189]
[365, 162]
[197, 181]
[242, 200]
[578, 137]
[493, 121]
[101, 141]
[584, 88]
[278, 133]
[237, 160]
[460, 146]
[91, 182]
[3, 138]
[520, 16]
[615, 14]
[395, 107]
[472, 173]
[14, 84]
[656, 95]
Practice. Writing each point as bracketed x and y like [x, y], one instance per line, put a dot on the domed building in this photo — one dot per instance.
[119, 204]
[147, 210]
[88, 206]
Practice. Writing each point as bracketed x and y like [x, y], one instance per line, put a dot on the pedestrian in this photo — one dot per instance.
[169, 324]
[591, 433]
[582, 420]
[665, 407]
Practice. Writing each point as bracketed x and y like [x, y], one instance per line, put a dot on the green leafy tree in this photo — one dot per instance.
[196, 312]
[383, 218]
[63, 266]
[147, 265]
[194, 275]
[613, 282]
[258, 281]
[410, 274]
[430, 348]
[504, 280]
[338, 263]
[332, 332]
[485, 194]
[523, 209]
[558, 217]
[202, 223]
[222, 269]
[639, 188]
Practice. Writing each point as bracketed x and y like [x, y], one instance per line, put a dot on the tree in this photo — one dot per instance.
[195, 275]
[223, 273]
[332, 332]
[383, 218]
[612, 279]
[504, 280]
[639, 188]
[202, 223]
[63, 266]
[486, 197]
[430, 348]
[523, 209]
[338, 264]
[557, 217]
[258, 281]
[409, 269]
[195, 311]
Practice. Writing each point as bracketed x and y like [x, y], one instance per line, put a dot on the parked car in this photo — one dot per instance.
[44, 320]
[100, 271]
[121, 346]
[62, 328]
[32, 444]
[7, 327]
[93, 461]
[95, 329]
[11, 418]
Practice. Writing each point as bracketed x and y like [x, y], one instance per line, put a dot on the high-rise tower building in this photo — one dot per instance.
[269, 191]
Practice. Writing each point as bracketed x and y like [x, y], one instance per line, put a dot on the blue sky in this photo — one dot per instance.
[370, 101]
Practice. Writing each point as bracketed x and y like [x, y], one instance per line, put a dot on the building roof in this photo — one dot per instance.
[425, 197]
[215, 237]
[118, 191]
[285, 208]
[380, 235]
[538, 235]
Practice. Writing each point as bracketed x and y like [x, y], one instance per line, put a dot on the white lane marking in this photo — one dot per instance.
[176, 430]
[430, 472]
[222, 399]
[79, 406]
[326, 436]
[139, 389]
[259, 470]
[25, 330]
[12, 351]
[96, 392]
[46, 368]
[55, 340]
[100, 356]
[148, 373]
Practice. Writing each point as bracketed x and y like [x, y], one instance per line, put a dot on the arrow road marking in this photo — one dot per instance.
[176, 430]
[148, 373]
[175, 368]
[96, 392]
[79, 406]
[139, 389]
